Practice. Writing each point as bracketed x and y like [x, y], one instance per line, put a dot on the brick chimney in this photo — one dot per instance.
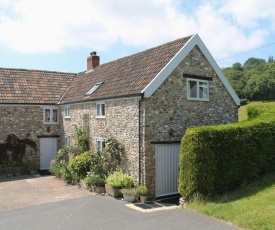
[92, 61]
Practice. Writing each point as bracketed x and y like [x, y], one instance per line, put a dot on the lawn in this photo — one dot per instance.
[250, 207]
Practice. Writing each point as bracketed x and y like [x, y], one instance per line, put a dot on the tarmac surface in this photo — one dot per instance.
[29, 202]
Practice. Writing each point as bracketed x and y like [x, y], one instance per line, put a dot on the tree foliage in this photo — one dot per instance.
[254, 80]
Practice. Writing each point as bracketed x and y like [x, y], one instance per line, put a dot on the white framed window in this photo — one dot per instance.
[50, 115]
[67, 112]
[100, 144]
[100, 110]
[68, 140]
[197, 90]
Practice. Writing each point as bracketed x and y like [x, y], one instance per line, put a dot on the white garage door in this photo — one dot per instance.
[167, 169]
[48, 150]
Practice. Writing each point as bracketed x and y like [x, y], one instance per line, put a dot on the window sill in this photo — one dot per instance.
[101, 117]
[67, 117]
[197, 99]
[51, 123]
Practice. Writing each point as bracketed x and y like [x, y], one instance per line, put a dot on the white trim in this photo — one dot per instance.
[67, 111]
[101, 140]
[175, 61]
[51, 108]
[101, 115]
[67, 137]
[197, 98]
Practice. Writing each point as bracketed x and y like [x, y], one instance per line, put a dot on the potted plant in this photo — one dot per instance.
[129, 194]
[32, 167]
[143, 192]
[117, 181]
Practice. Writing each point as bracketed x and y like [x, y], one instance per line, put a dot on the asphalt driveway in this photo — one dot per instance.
[47, 203]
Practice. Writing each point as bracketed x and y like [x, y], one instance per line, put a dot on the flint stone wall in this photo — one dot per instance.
[121, 122]
[168, 108]
[23, 120]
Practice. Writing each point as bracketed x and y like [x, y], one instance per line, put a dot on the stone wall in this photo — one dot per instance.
[25, 122]
[121, 122]
[168, 109]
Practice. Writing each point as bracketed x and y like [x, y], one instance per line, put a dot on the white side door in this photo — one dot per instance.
[167, 169]
[48, 150]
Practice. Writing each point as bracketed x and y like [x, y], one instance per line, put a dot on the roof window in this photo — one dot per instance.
[94, 88]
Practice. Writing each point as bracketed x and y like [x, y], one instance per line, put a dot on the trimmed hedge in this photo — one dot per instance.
[215, 159]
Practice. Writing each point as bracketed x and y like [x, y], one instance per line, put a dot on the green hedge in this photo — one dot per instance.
[215, 159]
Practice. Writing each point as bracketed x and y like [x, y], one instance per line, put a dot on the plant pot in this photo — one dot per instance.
[143, 199]
[33, 172]
[129, 198]
[113, 191]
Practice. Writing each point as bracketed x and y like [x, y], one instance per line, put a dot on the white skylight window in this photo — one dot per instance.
[94, 88]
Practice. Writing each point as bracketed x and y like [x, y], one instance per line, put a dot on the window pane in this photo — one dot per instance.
[103, 109]
[47, 115]
[98, 145]
[54, 115]
[203, 93]
[67, 111]
[103, 144]
[193, 89]
[98, 109]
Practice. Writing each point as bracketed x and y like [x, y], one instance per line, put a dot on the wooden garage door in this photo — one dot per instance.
[167, 169]
[48, 150]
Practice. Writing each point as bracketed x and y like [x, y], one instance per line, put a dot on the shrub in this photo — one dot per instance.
[120, 180]
[142, 190]
[216, 159]
[80, 165]
[94, 180]
[81, 138]
[61, 157]
[66, 174]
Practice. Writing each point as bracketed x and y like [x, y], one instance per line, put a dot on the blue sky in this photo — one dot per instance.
[59, 35]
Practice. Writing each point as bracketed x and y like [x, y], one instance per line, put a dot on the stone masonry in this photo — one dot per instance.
[25, 122]
[121, 122]
[168, 108]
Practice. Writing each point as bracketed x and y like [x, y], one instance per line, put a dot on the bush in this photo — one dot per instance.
[216, 159]
[80, 165]
[120, 180]
[66, 174]
[61, 157]
[94, 180]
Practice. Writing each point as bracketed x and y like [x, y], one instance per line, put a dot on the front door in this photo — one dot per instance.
[48, 150]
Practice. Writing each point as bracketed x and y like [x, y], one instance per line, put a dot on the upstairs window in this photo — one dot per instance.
[93, 89]
[100, 110]
[67, 112]
[197, 90]
[50, 115]
[100, 144]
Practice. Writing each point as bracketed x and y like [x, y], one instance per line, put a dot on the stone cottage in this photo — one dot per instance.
[146, 101]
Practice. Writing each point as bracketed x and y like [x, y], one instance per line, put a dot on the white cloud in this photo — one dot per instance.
[52, 25]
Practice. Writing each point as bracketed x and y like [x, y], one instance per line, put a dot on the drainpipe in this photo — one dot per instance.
[139, 139]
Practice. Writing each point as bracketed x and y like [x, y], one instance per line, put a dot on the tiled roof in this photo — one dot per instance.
[32, 86]
[123, 77]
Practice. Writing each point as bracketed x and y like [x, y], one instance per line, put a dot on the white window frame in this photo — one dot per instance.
[100, 143]
[197, 98]
[100, 112]
[51, 109]
[67, 139]
[67, 111]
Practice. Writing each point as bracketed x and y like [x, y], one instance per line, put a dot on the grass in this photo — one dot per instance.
[250, 207]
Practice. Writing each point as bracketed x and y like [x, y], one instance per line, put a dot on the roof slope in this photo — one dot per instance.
[127, 76]
[32, 86]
